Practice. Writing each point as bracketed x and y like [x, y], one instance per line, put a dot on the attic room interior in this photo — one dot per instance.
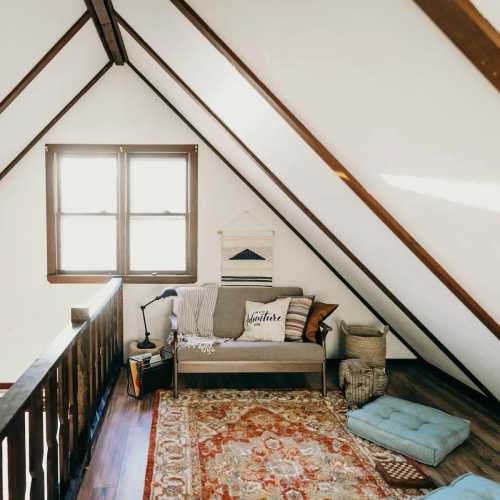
[249, 249]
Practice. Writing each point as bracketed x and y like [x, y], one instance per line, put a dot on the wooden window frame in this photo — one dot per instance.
[122, 152]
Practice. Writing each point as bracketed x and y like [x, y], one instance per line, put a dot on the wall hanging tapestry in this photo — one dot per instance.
[247, 258]
[256, 444]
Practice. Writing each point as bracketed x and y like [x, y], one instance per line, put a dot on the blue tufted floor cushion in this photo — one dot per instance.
[468, 487]
[415, 430]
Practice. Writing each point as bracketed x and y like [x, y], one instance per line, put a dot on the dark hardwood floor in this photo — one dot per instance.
[117, 468]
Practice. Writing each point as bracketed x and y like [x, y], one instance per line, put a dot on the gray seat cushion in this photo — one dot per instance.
[230, 307]
[257, 351]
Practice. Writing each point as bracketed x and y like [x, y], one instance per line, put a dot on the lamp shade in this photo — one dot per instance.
[168, 292]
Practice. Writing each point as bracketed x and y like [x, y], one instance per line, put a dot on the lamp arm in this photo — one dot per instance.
[144, 319]
[150, 302]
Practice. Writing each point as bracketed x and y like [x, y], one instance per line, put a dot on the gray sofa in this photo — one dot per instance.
[249, 357]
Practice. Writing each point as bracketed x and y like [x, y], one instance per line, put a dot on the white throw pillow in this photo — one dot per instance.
[265, 321]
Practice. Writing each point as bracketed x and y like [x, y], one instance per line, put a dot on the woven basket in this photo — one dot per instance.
[366, 343]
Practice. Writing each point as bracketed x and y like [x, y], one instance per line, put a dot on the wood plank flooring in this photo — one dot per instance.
[117, 468]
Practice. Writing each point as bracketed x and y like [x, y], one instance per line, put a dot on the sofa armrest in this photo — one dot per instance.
[175, 332]
[323, 331]
[173, 323]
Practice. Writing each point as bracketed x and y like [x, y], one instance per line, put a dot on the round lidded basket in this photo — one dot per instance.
[365, 342]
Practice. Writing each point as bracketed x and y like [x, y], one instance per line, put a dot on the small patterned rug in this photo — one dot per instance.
[254, 444]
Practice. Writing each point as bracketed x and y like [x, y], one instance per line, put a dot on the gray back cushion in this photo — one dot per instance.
[230, 308]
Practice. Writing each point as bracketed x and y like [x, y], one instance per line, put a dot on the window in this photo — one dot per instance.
[126, 211]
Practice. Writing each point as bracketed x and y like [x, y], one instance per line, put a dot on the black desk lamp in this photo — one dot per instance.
[146, 344]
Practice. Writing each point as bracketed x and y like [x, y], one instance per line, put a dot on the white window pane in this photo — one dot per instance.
[88, 183]
[157, 184]
[88, 243]
[157, 243]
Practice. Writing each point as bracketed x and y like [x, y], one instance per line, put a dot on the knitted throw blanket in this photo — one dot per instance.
[194, 308]
[205, 344]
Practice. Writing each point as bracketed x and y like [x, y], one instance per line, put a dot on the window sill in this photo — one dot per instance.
[131, 278]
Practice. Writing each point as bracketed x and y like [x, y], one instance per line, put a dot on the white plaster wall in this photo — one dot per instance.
[120, 109]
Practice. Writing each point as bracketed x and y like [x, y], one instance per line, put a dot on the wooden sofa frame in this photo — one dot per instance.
[248, 366]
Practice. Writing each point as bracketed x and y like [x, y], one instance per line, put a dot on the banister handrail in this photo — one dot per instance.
[97, 302]
[17, 397]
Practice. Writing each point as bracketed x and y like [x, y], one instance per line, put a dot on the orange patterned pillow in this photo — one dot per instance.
[319, 312]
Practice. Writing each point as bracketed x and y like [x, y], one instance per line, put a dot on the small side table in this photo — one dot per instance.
[133, 349]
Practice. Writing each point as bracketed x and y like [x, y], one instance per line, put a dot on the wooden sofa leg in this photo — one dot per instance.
[324, 390]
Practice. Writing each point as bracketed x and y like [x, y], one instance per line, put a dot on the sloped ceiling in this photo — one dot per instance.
[378, 87]
[24, 39]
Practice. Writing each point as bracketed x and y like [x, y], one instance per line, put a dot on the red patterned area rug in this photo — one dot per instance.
[228, 444]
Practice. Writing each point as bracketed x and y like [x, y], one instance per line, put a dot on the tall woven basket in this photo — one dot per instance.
[366, 343]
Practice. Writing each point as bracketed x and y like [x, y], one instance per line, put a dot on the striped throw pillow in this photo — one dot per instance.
[296, 317]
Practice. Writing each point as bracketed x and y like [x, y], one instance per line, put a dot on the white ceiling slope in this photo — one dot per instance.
[398, 118]
[28, 29]
[50, 91]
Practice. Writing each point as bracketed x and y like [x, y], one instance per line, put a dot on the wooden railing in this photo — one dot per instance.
[50, 416]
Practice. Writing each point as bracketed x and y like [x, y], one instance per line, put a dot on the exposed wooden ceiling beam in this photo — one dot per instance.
[103, 15]
[464, 25]
[40, 65]
[329, 234]
[54, 120]
[340, 170]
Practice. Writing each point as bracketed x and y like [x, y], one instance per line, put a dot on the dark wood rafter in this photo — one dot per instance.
[464, 25]
[331, 268]
[40, 65]
[103, 15]
[340, 170]
[54, 120]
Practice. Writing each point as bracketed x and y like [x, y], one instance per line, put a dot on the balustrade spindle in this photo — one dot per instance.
[105, 345]
[63, 371]
[74, 407]
[100, 361]
[84, 384]
[36, 446]
[51, 419]
[93, 365]
[16, 456]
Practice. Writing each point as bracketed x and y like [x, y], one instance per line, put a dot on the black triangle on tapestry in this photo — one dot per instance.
[247, 258]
